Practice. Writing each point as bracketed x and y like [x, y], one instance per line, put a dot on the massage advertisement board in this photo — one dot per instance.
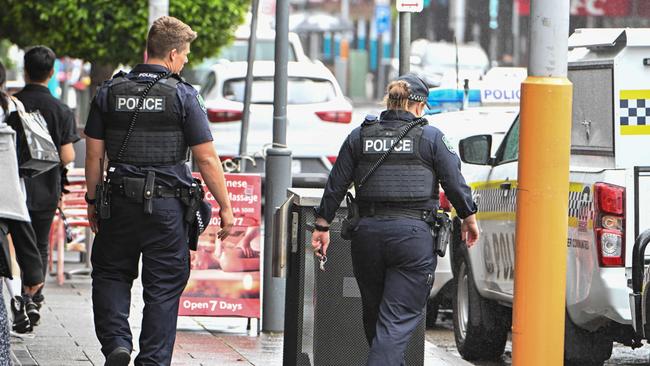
[225, 274]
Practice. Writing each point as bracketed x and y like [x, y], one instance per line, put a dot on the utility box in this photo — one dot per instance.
[609, 69]
[323, 321]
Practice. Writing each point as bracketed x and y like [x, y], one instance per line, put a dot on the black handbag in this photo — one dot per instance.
[351, 221]
[37, 153]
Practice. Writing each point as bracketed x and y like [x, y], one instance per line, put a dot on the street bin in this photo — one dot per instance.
[323, 321]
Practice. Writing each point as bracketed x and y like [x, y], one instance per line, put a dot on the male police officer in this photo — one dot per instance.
[392, 245]
[148, 181]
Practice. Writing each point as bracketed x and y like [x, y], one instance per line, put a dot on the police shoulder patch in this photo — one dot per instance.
[448, 144]
[370, 119]
[199, 98]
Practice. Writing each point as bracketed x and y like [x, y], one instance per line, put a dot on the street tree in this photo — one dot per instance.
[109, 33]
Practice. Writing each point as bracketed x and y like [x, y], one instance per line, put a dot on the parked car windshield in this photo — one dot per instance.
[442, 57]
[264, 51]
[299, 90]
[237, 51]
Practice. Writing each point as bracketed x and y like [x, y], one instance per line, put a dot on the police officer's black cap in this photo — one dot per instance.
[418, 89]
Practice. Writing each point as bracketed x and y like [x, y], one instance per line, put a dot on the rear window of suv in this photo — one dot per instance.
[299, 90]
[264, 51]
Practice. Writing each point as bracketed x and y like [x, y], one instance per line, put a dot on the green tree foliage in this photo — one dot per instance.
[110, 32]
[4, 51]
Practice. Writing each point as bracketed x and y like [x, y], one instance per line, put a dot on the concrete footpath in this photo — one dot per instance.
[66, 335]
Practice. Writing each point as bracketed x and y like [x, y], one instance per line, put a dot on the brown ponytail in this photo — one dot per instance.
[397, 93]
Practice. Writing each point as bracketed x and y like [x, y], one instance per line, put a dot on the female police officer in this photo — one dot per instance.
[392, 247]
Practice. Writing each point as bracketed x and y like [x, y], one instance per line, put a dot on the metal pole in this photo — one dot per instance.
[278, 174]
[345, 10]
[252, 42]
[457, 19]
[543, 190]
[380, 84]
[494, 29]
[515, 33]
[157, 8]
[404, 42]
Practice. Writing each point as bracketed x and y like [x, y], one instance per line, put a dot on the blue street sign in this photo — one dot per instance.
[382, 18]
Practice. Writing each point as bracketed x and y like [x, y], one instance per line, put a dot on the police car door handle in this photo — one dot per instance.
[505, 186]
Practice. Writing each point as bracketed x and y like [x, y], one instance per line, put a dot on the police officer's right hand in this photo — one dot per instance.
[469, 230]
[92, 218]
[320, 240]
[227, 222]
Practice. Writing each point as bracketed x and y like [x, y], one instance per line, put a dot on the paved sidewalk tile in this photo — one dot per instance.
[66, 337]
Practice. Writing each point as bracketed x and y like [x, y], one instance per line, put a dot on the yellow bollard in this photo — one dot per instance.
[542, 223]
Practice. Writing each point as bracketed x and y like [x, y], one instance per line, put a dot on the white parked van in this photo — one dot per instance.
[610, 137]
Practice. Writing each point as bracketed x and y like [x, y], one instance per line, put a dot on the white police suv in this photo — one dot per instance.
[609, 145]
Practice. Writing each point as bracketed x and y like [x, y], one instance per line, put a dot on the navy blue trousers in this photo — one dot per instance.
[394, 265]
[161, 239]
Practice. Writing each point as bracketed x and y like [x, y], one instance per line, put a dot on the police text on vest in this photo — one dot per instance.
[129, 103]
[381, 145]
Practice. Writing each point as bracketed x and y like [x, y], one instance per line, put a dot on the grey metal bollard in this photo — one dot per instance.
[277, 179]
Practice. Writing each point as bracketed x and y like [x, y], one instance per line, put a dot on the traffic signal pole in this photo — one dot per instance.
[543, 191]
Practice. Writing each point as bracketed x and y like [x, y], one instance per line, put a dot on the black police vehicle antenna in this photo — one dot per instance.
[136, 112]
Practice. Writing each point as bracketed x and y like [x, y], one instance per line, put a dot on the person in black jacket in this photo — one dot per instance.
[14, 220]
[392, 246]
[44, 190]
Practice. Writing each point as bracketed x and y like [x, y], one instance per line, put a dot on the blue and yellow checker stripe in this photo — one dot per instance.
[634, 112]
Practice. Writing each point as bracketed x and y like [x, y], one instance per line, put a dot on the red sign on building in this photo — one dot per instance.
[612, 8]
[225, 277]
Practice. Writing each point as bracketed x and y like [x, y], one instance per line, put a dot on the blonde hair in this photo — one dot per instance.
[397, 93]
[168, 33]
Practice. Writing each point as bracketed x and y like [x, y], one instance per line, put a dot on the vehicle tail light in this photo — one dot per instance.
[445, 205]
[335, 116]
[224, 115]
[332, 159]
[225, 157]
[610, 198]
[609, 224]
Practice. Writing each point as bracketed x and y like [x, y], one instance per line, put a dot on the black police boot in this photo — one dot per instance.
[118, 357]
[21, 323]
[32, 310]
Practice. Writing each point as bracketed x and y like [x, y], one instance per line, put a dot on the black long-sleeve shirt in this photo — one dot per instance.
[433, 147]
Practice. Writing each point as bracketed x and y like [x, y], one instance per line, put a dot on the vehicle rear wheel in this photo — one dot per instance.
[480, 325]
[582, 347]
[432, 312]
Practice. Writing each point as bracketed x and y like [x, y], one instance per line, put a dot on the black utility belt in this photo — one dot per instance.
[410, 213]
[137, 192]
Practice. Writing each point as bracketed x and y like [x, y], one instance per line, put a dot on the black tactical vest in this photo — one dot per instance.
[157, 138]
[404, 176]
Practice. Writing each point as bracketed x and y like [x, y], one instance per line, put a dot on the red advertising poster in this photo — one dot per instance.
[225, 277]
[612, 8]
